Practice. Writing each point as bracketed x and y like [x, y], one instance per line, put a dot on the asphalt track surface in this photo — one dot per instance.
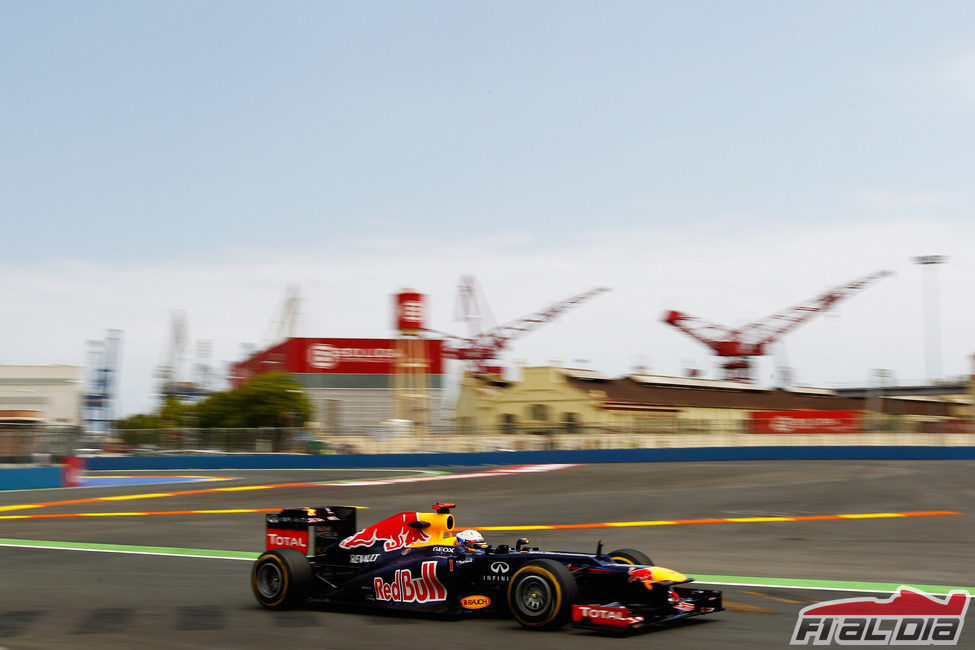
[53, 598]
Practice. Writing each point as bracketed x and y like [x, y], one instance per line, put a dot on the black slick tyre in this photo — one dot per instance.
[541, 594]
[281, 578]
[630, 556]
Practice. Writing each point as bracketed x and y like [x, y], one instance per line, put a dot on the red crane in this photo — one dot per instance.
[485, 341]
[739, 345]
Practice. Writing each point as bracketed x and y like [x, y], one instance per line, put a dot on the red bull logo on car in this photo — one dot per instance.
[651, 575]
[642, 575]
[394, 532]
[405, 588]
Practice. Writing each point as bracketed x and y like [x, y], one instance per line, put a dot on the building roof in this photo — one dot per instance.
[21, 416]
[693, 382]
[592, 375]
[658, 393]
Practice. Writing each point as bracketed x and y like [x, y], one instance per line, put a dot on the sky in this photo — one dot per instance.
[725, 159]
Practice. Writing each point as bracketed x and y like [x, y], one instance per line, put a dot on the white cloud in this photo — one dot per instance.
[888, 202]
[957, 75]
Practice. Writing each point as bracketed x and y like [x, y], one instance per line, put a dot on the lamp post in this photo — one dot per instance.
[931, 308]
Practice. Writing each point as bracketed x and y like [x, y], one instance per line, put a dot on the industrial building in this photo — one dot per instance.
[398, 383]
[362, 384]
[356, 384]
[40, 411]
[552, 399]
[41, 395]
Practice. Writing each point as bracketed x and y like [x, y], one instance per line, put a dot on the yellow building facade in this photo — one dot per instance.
[551, 399]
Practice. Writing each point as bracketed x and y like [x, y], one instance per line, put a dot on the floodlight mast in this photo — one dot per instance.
[932, 329]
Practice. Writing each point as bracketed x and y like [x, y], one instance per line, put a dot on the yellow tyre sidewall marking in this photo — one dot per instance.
[557, 591]
[285, 579]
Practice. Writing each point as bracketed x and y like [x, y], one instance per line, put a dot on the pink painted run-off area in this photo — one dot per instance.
[501, 471]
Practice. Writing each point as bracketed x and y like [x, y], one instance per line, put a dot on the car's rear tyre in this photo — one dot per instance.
[630, 556]
[281, 578]
[541, 594]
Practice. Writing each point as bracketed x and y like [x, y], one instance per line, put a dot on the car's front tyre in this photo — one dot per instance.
[630, 556]
[541, 594]
[281, 578]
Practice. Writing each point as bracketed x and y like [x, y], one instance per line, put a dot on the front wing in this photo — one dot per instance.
[636, 617]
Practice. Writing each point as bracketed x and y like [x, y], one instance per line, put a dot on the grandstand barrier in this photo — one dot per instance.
[28, 477]
[307, 461]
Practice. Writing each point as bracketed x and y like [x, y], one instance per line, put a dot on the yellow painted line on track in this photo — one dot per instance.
[129, 497]
[221, 511]
[790, 601]
[243, 488]
[745, 608]
[610, 524]
[150, 495]
[528, 527]
[174, 512]
[727, 520]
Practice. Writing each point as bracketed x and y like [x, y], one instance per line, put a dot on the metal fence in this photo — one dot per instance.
[40, 444]
[31, 443]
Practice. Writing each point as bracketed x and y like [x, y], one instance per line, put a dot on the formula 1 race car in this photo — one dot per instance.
[414, 561]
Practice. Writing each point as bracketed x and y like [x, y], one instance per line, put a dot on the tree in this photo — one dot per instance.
[221, 410]
[139, 430]
[139, 421]
[175, 414]
[269, 400]
[272, 400]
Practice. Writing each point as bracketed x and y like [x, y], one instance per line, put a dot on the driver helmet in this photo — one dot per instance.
[470, 539]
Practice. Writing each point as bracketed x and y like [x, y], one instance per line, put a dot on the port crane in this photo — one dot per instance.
[485, 342]
[738, 346]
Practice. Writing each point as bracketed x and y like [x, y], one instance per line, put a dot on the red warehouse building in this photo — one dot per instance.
[351, 383]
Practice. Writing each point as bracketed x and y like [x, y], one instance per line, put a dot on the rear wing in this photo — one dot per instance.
[406, 529]
[309, 530]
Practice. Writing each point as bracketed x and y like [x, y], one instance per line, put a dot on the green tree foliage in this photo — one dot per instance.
[139, 421]
[269, 400]
[175, 414]
[222, 410]
[138, 430]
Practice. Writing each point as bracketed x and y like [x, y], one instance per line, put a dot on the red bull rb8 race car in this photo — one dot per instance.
[415, 562]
